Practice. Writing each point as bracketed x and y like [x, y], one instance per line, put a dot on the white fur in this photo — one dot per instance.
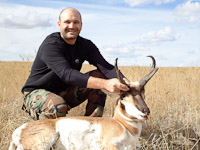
[127, 141]
[134, 84]
[73, 133]
[16, 138]
[128, 119]
[132, 110]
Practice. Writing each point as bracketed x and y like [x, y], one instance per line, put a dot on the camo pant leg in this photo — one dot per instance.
[42, 104]
[96, 98]
[74, 96]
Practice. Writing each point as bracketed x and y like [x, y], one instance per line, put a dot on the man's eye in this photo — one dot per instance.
[67, 22]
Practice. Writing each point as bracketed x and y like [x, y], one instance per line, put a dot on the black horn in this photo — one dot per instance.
[148, 76]
[119, 73]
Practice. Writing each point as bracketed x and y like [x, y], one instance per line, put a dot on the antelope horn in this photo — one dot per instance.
[148, 76]
[119, 74]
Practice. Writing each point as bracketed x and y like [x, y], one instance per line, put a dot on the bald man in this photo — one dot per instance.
[55, 84]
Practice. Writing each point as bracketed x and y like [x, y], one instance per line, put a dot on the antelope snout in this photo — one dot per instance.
[146, 111]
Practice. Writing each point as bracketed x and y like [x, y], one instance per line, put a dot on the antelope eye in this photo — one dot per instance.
[123, 95]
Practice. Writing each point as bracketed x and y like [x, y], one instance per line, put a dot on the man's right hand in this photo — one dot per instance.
[115, 86]
[111, 85]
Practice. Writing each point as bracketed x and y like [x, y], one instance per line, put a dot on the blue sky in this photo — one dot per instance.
[128, 29]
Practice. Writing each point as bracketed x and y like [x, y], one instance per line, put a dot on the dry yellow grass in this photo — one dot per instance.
[173, 96]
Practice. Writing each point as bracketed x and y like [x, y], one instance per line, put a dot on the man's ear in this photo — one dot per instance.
[58, 23]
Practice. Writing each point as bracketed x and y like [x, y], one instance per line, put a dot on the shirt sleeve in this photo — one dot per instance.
[95, 58]
[54, 58]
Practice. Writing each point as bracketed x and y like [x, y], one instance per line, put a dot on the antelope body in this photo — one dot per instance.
[121, 132]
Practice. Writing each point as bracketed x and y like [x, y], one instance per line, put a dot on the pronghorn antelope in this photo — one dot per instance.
[121, 132]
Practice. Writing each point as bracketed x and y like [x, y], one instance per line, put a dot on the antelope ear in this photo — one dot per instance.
[135, 84]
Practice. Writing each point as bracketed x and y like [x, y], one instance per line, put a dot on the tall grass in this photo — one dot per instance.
[173, 96]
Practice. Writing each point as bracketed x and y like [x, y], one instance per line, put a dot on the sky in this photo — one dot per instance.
[129, 30]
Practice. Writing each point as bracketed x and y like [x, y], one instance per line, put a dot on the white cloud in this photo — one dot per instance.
[134, 3]
[119, 49]
[141, 46]
[188, 12]
[162, 35]
[151, 43]
[25, 17]
[23, 28]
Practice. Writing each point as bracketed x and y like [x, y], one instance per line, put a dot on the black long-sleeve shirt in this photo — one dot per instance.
[57, 64]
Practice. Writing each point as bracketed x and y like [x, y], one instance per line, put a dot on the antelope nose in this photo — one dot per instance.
[146, 111]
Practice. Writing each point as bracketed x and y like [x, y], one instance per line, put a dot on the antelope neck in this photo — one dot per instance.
[132, 125]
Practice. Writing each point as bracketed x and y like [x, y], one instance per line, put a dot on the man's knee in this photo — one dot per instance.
[54, 107]
[96, 103]
[97, 97]
[55, 103]
[41, 104]
[55, 111]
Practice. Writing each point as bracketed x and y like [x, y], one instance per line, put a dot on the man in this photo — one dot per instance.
[56, 84]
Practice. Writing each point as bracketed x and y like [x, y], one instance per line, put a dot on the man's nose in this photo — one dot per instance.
[71, 25]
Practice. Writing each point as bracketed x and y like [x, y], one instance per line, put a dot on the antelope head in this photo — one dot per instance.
[132, 102]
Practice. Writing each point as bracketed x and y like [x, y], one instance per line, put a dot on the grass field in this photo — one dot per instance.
[173, 96]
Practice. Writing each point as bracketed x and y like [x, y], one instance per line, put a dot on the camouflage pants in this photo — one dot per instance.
[42, 104]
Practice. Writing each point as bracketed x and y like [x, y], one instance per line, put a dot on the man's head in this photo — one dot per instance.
[70, 25]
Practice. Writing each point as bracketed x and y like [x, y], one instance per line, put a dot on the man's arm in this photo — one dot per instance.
[111, 85]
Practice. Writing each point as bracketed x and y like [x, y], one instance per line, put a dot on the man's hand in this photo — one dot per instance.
[114, 86]
[111, 85]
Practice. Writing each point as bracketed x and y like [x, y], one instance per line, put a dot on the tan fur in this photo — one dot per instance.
[37, 133]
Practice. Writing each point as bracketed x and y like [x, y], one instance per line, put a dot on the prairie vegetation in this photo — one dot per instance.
[173, 96]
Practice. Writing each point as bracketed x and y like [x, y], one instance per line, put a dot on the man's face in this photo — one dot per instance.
[70, 25]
